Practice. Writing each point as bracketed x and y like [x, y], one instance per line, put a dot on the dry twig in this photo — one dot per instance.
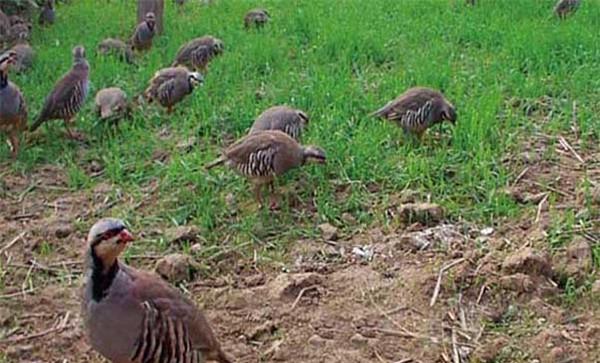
[438, 284]
[12, 242]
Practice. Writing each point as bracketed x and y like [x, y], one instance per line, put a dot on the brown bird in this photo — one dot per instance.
[256, 17]
[171, 85]
[133, 316]
[282, 118]
[69, 94]
[47, 16]
[417, 109]
[25, 55]
[13, 109]
[263, 156]
[4, 25]
[197, 53]
[111, 104]
[117, 47]
[144, 33]
[564, 8]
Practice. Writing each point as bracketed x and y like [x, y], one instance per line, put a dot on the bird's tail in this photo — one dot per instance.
[215, 163]
[380, 112]
[36, 124]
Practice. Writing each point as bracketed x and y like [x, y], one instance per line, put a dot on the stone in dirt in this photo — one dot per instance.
[528, 261]
[288, 286]
[425, 213]
[576, 261]
[261, 332]
[175, 268]
[518, 282]
[317, 341]
[62, 229]
[180, 234]
[329, 232]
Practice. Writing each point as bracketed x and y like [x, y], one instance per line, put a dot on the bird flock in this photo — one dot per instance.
[131, 315]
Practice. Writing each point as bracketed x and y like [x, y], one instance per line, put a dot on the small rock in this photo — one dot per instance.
[487, 231]
[63, 229]
[95, 166]
[180, 234]
[365, 252]
[196, 248]
[528, 261]
[518, 282]
[175, 268]
[317, 341]
[288, 286]
[329, 232]
[348, 218]
[576, 262]
[425, 213]
[487, 353]
[359, 341]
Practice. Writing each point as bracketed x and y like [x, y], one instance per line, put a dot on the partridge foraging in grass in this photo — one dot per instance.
[47, 16]
[69, 94]
[25, 55]
[197, 53]
[144, 33]
[282, 118]
[13, 109]
[111, 104]
[564, 8]
[133, 316]
[263, 156]
[171, 85]
[118, 48]
[417, 109]
[256, 17]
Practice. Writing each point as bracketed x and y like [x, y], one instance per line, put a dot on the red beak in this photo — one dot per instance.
[125, 236]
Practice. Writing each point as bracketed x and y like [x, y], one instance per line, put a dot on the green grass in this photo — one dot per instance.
[338, 61]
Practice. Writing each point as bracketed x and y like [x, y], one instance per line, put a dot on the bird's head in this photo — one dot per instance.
[218, 47]
[449, 113]
[314, 154]
[6, 59]
[150, 20]
[195, 79]
[107, 239]
[78, 52]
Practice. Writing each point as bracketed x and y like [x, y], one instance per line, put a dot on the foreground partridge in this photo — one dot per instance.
[263, 156]
[197, 53]
[69, 94]
[118, 48]
[47, 16]
[282, 118]
[171, 85]
[144, 33]
[418, 109]
[132, 316]
[256, 17]
[564, 8]
[111, 104]
[13, 109]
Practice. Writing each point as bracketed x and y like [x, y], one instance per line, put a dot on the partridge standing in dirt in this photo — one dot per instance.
[144, 33]
[111, 104]
[25, 55]
[47, 16]
[69, 94]
[418, 109]
[197, 53]
[564, 8]
[171, 85]
[133, 316]
[282, 118]
[257, 18]
[13, 109]
[117, 47]
[263, 156]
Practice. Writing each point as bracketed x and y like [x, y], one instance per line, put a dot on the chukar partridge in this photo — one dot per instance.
[47, 16]
[69, 94]
[13, 109]
[417, 109]
[197, 53]
[133, 316]
[263, 156]
[144, 33]
[118, 48]
[171, 85]
[111, 104]
[282, 118]
[25, 55]
[256, 17]
[564, 8]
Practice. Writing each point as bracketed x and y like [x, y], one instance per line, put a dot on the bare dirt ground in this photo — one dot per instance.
[402, 292]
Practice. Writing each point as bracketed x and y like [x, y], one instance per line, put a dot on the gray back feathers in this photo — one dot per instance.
[256, 17]
[116, 47]
[282, 118]
[171, 85]
[197, 53]
[565, 7]
[111, 102]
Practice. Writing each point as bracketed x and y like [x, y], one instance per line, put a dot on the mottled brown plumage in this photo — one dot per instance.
[197, 53]
[171, 85]
[263, 156]
[111, 104]
[282, 118]
[144, 33]
[69, 94]
[564, 8]
[13, 109]
[417, 109]
[256, 17]
[133, 316]
[118, 48]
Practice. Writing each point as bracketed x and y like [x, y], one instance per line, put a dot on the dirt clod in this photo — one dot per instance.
[488, 353]
[181, 234]
[261, 332]
[288, 286]
[175, 267]
[576, 261]
[596, 287]
[358, 340]
[329, 232]
[317, 341]
[62, 229]
[528, 261]
[425, 213]
[518, 282]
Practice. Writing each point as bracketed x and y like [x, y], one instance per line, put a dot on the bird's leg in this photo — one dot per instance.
[257, 194]
[74, 135]
[169, 110]
[272, 196]
[14, 144]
